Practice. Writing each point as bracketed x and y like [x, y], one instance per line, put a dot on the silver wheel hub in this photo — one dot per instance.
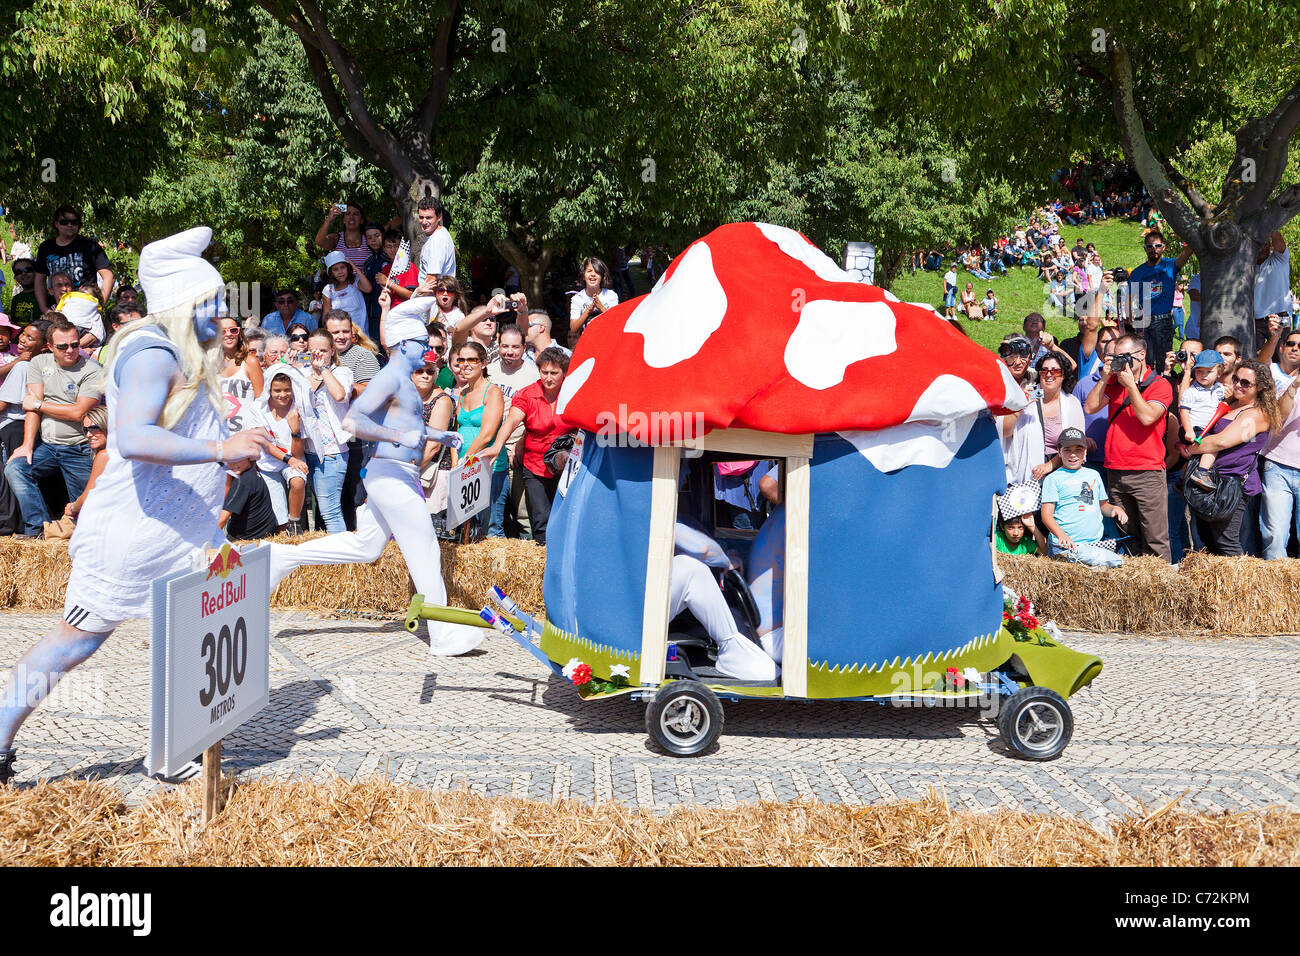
[1039, 726]
[685, 719]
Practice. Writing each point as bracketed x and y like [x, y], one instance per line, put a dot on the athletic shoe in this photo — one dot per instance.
[453, 640]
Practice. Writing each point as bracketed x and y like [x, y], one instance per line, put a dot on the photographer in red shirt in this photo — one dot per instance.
[1137, 399]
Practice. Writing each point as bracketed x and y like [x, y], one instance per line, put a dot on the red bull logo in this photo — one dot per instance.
[223, 562]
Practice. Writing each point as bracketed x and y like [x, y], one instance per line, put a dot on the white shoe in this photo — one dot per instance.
[774, 643]
[740, 657]
[451, 640]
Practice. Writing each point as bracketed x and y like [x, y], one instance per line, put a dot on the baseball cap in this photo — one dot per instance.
[1207, 358]
[333, 259]
[1071, 436]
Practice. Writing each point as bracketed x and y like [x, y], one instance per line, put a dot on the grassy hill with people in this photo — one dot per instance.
[1021, 291]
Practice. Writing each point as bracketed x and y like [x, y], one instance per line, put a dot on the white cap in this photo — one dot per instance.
[333, 259]
[173, 271]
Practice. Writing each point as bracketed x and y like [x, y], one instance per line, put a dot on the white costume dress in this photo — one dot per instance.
[142, 521]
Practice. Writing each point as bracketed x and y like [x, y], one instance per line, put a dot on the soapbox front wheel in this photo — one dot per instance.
[684, 718]
[1036, 723]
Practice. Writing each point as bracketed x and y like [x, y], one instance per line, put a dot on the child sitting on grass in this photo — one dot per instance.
[1013, 538]
[1197, 405]
[1074, 502]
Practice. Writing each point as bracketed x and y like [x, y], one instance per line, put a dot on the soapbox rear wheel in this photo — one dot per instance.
[1036, 723]
[684, 718]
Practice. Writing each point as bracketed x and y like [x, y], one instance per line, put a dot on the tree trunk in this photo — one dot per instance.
[408, 193]
[1228, 287]
[532, 267]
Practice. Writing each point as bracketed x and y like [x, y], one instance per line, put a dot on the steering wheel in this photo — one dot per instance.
[733, 581]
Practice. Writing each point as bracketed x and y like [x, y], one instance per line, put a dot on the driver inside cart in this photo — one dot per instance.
[695, 588]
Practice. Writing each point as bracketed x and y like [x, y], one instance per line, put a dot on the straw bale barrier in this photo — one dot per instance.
[1146, 596]
[33, 575]
[376, 823]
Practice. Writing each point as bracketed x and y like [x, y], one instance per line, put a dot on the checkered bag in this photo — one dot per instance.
[1021, 498]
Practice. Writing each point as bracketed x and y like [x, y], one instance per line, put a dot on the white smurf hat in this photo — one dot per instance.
[174, 272]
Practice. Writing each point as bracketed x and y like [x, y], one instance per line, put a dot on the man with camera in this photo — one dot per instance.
[1137, 399]
[483, 323]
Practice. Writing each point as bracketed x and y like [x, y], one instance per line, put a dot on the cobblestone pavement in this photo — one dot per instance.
[1217, 719]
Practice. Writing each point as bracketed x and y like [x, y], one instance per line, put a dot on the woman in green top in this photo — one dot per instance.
[480, 407]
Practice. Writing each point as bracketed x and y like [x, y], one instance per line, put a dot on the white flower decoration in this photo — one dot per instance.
[971, 674]
[620, 670]
[570, 667]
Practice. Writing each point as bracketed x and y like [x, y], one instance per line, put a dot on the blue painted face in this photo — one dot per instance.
[412, 352]
[205, 316]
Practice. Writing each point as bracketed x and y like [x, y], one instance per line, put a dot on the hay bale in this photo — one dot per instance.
[1146, 595]
[377, 823]
[40, 573]
[1244, 595]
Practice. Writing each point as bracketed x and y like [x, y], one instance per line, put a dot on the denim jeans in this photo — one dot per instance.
[327, 483]
[500, 496]
[1183, 536]
[1281, 507]
[1158, 334]
[1085, 553]
[72, 461]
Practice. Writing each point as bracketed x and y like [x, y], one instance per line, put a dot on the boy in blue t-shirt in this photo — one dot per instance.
[1074, 502]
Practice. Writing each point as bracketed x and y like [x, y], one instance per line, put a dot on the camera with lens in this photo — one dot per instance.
[1180, 356]
[1119, 274]
[1120, 362]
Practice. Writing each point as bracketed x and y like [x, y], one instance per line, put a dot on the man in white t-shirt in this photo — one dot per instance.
[1272, 286]
[510, 372]
[438, 256]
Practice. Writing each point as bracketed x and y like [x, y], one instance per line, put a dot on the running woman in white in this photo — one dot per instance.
[390, 412]
[154, 508]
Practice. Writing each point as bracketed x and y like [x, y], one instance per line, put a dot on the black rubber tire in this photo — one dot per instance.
[684, 719]
[1036, 723]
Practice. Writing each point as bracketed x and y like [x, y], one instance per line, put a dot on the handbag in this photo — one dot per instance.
[1216, 505]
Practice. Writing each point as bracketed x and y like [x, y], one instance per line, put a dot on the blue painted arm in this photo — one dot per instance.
[697, 544]
[361, 416]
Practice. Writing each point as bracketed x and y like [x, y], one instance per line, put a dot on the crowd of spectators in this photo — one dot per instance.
[493, 374]
[1170, 449]
[1094, 464]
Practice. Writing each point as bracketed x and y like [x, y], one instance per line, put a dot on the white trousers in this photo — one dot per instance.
[394, 508]
[694, 588]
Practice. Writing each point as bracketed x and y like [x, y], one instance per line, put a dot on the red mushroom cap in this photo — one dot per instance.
[755, 327]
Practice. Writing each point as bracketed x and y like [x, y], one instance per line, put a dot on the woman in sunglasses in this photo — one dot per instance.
[297, 354]
[1060, 410]
[480, 407]
[95, 425]
[1234, 443]
[240, 377]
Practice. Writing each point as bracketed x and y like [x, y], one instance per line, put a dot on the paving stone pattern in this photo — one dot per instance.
[1217, 719]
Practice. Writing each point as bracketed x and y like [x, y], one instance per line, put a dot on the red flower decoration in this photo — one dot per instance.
[581, 675]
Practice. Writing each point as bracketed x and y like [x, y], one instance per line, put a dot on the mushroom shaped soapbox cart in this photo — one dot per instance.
[754, 345]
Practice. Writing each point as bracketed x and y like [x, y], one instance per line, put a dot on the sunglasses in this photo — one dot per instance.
[64, 348]
[426, 370]
[1238, 380]
[91, 428]
[1155, 245]
[1051, 373]
[297, 338]
[286, 300]
[69, 222]
[466, 361]
[1291, 345]
[25, 271]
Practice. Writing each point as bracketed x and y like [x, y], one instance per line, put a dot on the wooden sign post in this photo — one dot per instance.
[212, 796]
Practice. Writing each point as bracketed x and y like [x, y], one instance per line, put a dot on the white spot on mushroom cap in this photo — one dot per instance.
[926, 443]
[797, 247]
[572, 382]
[833, 335]
[932, 434]
[678, 317]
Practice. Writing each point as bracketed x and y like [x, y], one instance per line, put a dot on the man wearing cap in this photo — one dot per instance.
[153, 510]
[390, 413]
[1137, 400]
[1074, 502]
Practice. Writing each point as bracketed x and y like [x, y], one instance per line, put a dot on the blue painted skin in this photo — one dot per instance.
[390, 412]
[145, 380]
